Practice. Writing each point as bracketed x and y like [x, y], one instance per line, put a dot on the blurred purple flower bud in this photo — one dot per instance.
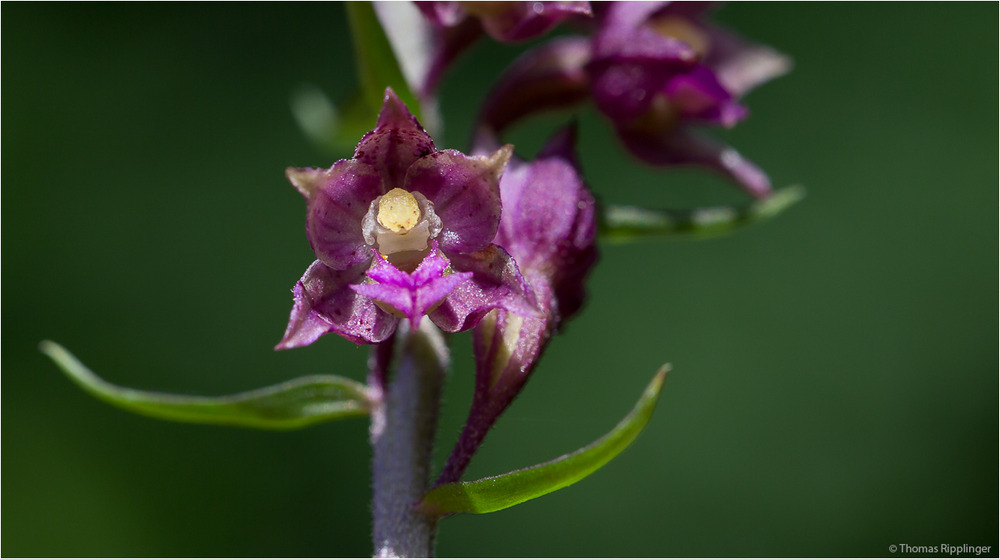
[448, 28]
[549, 227]
[402, 230]
[657, 70]
[505, 21]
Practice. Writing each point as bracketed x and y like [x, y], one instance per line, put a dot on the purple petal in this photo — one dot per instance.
[442, 14]
[431, 267]
[686, 146]
[465, 193]
[396, 142]
[384, 272]
[412, 295]
[544, 203]
[392, 286]
[549, 77]
[433, 293]
[549, 224]
[741, 65]
[495, 283]
[520, 21]
[336, 208]
[624, 85]
[619, 19]
[324, 303]
[699, 95]
[632, 63]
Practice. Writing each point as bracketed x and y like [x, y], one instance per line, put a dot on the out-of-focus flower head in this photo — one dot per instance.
[402, 230]
[549, 227]
[658, 71]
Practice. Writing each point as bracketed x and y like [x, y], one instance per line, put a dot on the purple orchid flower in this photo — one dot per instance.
[549, 227]
[658, 71]
[402, 230]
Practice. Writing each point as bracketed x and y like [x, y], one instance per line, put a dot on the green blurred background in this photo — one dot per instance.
[835, 384]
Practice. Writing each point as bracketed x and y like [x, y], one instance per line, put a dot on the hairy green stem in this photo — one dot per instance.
[404, 420]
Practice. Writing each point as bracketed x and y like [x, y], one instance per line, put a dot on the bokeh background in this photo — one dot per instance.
[835, 383]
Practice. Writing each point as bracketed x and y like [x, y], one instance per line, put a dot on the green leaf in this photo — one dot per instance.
[377, 65]
[499, 492]
[627, 223]
[288, 405]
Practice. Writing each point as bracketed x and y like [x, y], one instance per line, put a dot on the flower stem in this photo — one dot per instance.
[404, 419]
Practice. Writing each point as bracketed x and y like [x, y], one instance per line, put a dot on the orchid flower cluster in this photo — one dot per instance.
[412, 240]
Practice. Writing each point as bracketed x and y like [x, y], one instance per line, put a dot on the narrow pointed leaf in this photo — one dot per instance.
[499, 492]
[627, 223]
[296, 403]
[377, 65]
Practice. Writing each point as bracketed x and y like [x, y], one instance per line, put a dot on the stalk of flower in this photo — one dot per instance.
[402, 230]
[658, 71]
[549, 227]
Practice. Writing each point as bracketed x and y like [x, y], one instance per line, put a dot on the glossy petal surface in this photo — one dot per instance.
[549, 221]
[325, 303]
[397, 142]
[698, 95]
[632, 63]
[335, 211]
[465, 192]
[411, 294]
[495, 283]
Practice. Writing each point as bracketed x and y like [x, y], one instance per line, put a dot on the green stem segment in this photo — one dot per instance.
[404, 420]
[627, 224]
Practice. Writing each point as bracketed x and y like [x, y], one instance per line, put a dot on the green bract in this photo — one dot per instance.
[499, 492]
[289, 405]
